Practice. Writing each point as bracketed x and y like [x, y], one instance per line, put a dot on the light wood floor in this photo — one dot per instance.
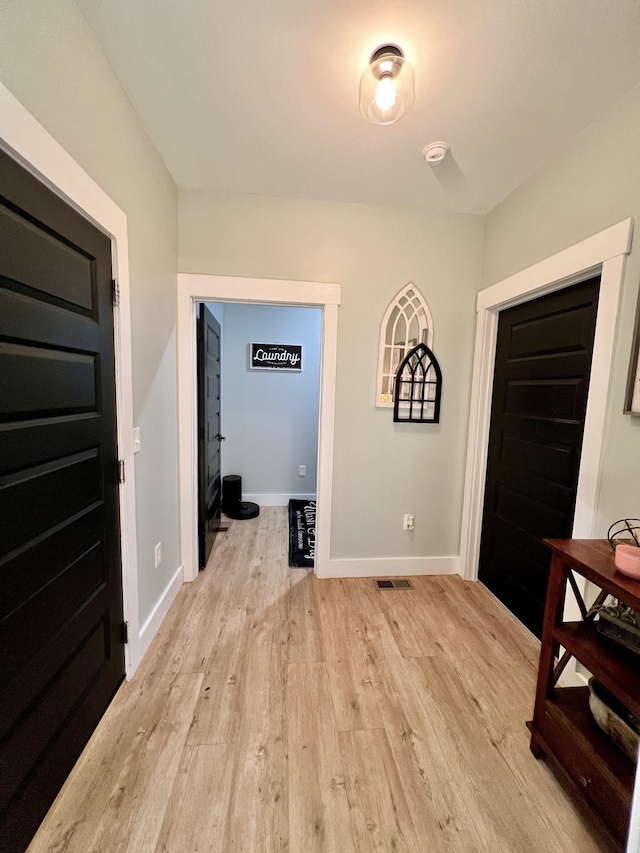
[278, 712]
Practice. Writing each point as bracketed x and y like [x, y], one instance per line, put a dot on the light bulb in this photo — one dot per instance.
[387, 88]
[385, 92]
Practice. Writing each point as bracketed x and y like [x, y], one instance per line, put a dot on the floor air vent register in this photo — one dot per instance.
[399, 583]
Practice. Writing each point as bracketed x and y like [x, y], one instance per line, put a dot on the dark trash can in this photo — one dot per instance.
[232, 504]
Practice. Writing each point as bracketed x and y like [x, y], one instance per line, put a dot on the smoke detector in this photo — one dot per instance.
[436, 152]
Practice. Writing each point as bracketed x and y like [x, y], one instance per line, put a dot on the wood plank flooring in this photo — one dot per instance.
[277, 712]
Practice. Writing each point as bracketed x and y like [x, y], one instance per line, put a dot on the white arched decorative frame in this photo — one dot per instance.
[406, 323]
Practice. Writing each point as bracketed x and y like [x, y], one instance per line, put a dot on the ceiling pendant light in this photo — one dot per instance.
[387, 88]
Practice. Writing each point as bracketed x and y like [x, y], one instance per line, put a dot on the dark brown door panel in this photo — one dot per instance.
[542, 370]
[61, 649]
[45, 718]
[39, 498]
[209, 438]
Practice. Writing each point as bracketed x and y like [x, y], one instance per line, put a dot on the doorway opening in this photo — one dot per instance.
[540, 388]
[61, 615]
[604, 253]
[258, 410]
[23, 138]
[193, 289]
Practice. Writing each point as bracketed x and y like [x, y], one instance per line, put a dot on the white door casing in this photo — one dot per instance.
[27, 141]
[194, 288]
[603, 253]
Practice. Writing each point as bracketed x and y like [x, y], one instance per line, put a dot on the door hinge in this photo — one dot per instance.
[115, 291]
[125, 632]
[120, 471]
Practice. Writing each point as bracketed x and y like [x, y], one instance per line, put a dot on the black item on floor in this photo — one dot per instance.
[244, 511]
[231, 492]
[232, 504]
[302, 534]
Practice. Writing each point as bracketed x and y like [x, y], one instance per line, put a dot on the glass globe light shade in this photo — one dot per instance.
[387, 87]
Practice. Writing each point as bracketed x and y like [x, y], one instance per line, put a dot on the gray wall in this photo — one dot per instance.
[51, 62]
[593, 184]
[381, 469]
[270, 417]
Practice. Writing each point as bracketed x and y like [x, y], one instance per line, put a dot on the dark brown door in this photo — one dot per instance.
[209, 438]
[61, 647]
[543, 363]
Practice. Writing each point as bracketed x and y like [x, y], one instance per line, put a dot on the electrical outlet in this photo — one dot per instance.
[302, 471]
[409, 522]
[158, 554]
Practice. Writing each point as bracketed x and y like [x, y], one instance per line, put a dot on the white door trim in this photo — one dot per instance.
[194, 288]
[605, 253]
[34, 147]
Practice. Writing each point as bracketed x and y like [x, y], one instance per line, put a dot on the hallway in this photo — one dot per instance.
[277, 712]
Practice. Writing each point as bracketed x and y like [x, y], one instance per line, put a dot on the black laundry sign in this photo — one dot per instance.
[276, 357]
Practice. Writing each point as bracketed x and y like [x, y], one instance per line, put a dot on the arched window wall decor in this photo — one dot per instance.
[407, 322]
[418, 388]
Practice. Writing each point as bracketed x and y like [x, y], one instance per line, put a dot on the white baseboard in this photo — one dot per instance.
[277, 500]
[572, 677]
[156, 617]
[376, 567]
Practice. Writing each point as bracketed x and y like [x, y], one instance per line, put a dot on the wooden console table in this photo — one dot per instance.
[563, 730]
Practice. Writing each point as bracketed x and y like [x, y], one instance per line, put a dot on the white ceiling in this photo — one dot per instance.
[261, 96]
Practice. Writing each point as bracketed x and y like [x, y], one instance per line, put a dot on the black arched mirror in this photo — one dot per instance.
[418, 388]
